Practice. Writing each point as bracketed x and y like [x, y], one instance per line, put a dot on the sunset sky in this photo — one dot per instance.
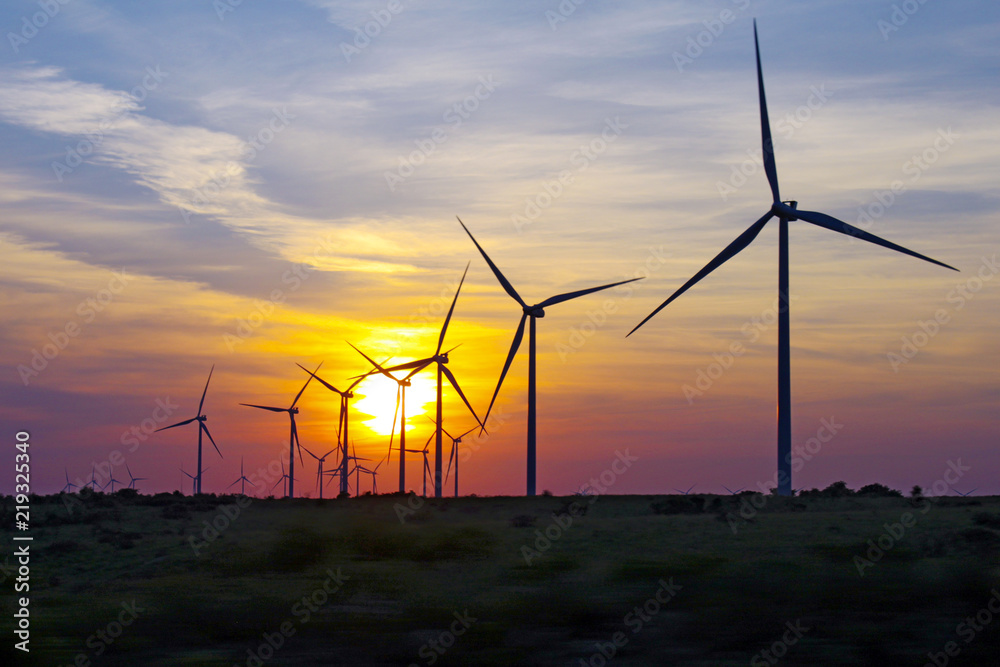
[252, 184]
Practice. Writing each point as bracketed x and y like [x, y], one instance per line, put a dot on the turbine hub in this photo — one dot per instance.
[203, 418]
[293, 411]
[535, 311]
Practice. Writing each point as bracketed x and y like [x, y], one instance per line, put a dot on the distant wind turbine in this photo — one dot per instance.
[731, 492]
[319, 473]
[968, 493]
[342, 428]
[131, 479]
[453, 456]
[532, 313]
[93, 479]
[785, 212]
[69, 486]
[427, 466]
[286, 478]
[200, 418]
[293, 433]
[243, 478]
[688, 492]
[441, 359]
[195, 479]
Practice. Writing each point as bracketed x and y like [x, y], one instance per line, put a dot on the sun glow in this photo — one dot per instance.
[377, 398]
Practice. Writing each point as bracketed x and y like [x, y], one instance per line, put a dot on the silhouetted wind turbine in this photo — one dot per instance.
[69, 485]
[427, 466]
[243, 478]
[284, 478]
[785, 212]
[93, 479]
[684, 493]
[532, 313]
[441, 359]
[111, 483]
[194, 479]
[132, 479]
[731, 492]
[965, 494]
[293, 433]
[200, 418]
[319, 473]
[342, 427]
[453, 456]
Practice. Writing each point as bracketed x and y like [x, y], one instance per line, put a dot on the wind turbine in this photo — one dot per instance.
[453, 457]
[319, 473]
[342, 428]
[93, 479]
[688, 492]
[402, 383]
[200, 418]
[69, 485]
[427, 466]
[132, 479]
[731, 492]
[441, 359]
[968, 493]
[284, 478]
[111, 483]
[243, 478]
[785, 212]
[357, 469]
[293, 433]
[195, 479]
[532, 313]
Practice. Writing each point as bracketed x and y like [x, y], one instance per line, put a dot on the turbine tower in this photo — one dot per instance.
[441, 359]
[200, 418]
[293, 433]
[532, 313]
[785, 212]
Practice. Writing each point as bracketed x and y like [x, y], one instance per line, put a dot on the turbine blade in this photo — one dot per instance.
[202, 402]
[518, 335]
[295, 439]
[765, 125]
[378, 367]
[553, 300]
[454, 383]
[451, 457]
[205, 429]
[298, 395]
[321, 381]
[835, 225]
[186, 421]
[444, 329]
[503, 280]
[741, 242]
[261, 407]
[418, 364]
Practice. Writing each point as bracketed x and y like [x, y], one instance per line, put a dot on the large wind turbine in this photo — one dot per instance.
[785, 212]
[132, 479]
[441, 359]
[200, 418]
[342, 427]
[69, 485]
[532, 313]
[293, 433]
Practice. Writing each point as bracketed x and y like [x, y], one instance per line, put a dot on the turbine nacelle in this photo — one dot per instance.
[785, 209]
[534, 311]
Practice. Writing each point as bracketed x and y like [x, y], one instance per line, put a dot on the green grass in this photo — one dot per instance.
[793, 560]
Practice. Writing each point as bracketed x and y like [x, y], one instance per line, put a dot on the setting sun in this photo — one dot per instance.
[377, 400]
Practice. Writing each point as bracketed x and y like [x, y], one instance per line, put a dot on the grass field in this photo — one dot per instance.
[399, 580]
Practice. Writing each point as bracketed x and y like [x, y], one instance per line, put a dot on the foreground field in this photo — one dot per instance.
[398, 580]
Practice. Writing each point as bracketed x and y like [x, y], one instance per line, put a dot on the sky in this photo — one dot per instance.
[249, 185]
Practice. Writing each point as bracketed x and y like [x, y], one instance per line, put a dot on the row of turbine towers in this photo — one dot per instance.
[784, 211]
